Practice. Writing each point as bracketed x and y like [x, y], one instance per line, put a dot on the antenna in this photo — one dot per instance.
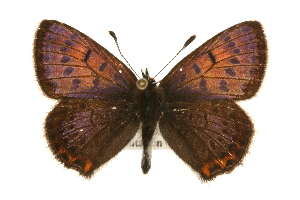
[189, 41]
[112, 34]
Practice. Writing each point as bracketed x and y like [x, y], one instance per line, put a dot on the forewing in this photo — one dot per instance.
[85, 134]
[212, 137]
[230, 65]
[70, 64]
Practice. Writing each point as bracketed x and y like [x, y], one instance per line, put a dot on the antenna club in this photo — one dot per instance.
[112, 34]
[189, 41]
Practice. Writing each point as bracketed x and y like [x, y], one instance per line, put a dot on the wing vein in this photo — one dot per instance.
[231, 39]
[52, 42]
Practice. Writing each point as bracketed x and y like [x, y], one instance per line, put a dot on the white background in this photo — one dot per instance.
[150, 33]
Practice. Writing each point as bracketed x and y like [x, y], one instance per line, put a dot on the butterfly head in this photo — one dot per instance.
[146, 81]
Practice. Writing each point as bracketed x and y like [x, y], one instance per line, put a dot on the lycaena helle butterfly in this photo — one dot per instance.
[102, 103]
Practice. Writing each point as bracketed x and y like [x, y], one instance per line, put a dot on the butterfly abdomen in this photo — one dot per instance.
[149, 108]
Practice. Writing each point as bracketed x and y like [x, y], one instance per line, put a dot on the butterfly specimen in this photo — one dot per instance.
[102, 103]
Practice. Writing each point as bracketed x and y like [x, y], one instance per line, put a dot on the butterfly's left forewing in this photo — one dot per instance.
[70, 64]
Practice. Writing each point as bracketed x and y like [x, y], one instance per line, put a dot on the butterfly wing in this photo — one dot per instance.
[211, 136]
[70, 64]
[200, 121]
[230, 65]
[86, 133]
[97, 115]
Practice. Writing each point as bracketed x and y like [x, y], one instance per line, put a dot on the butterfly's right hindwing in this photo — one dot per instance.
[211, 136]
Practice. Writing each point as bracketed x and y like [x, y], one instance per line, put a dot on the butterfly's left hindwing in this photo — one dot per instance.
[69, 64]
[211, 136]
[85, 134]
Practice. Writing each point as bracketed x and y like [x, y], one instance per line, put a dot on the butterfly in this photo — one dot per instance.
[102, 103]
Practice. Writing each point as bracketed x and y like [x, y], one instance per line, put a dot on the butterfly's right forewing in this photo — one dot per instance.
[230, 65]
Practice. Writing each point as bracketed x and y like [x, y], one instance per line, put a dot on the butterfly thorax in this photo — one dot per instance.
[149, 104]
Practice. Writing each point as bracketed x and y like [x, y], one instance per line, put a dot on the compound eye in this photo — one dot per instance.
[142, 83]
